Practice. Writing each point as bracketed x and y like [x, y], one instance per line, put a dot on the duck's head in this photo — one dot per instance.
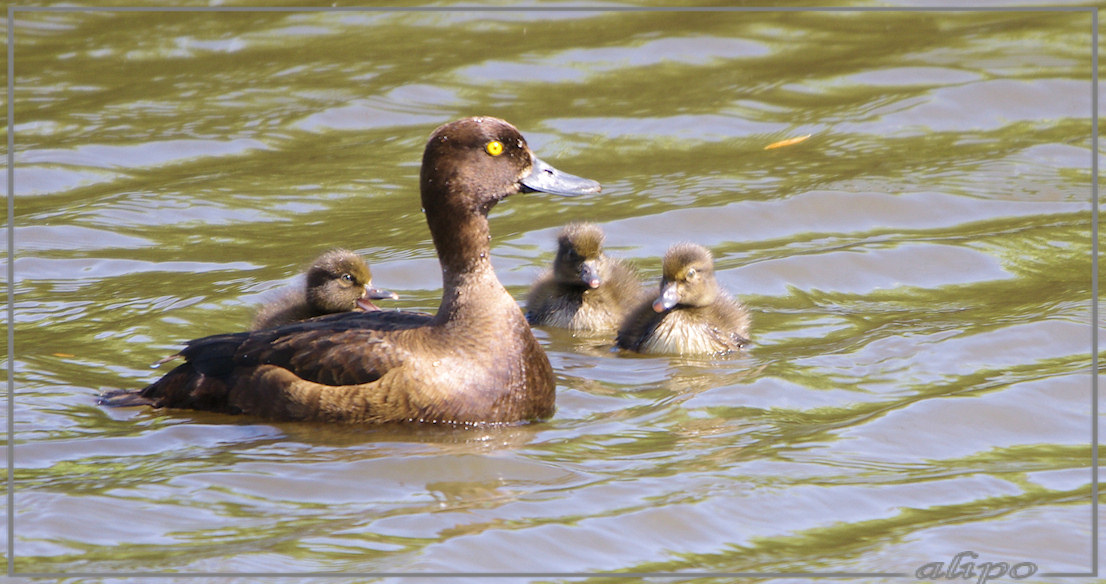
[473, 163]
[340, 281]
[688, 278]
[579, 251]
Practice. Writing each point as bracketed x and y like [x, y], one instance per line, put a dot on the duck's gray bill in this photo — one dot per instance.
[547, 179]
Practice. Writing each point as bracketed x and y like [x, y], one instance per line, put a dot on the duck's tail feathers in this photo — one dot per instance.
[124, 398]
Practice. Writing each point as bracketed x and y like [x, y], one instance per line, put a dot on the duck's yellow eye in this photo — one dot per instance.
[495, 147]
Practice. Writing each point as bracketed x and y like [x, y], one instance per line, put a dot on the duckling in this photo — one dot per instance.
[475, 362]
[692, 315]
[586, 290]
[337, 281]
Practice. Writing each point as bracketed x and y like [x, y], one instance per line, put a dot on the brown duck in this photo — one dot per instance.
[337, 281]
[692, 315]
[474, 362]
[586, 290]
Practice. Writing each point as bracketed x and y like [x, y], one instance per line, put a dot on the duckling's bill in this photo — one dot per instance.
[669, 298]
[589, 274]
[546, 179]
[364, 302]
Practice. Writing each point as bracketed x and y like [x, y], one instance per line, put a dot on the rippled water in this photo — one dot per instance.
[919, 271]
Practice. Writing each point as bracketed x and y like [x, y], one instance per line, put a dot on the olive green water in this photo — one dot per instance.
[919, 273]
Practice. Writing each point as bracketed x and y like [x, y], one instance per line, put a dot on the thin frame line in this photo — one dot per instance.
[1094, 293]
[11, 292]
[461, 575]
[548, 9]
[209, 9]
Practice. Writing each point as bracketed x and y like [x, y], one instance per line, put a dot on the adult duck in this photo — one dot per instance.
[474, 362]
[337, 281]
[692, 315]
[586, 290]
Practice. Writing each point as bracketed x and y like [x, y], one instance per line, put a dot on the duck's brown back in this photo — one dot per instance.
[365, 367]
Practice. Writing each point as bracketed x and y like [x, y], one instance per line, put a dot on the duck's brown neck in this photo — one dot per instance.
[473, 297]
[462, 239]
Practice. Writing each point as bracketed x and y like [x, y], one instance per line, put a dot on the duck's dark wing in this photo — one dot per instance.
[340, 349]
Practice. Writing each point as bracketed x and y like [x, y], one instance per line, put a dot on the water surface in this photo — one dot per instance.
[918, 270]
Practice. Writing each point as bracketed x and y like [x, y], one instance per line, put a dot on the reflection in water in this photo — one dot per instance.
[918, 270]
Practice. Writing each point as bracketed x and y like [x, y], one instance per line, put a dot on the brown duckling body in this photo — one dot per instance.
[474, 362]
[586, 290]
[692, 315]
[337, 281]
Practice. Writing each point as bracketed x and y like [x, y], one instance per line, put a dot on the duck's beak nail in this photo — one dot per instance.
[546, 179]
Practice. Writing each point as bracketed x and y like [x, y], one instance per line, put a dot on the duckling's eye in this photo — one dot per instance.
[691, 274]
[347, 278]
[495, 147]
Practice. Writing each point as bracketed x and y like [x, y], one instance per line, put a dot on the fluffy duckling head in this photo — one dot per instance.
[339, 281]
[688, 278]
[579, 253]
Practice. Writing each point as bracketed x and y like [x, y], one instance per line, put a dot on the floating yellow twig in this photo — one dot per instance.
[787, 142]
